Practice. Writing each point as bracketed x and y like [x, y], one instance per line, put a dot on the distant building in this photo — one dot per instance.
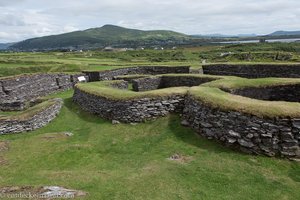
[262, 40]
[108, 49]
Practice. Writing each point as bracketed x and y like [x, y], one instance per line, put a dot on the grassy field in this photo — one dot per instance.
[30, 62]
[131, 161]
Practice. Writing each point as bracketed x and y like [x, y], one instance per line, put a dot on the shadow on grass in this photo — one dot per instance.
[294, 172]
[189, 136]
[80, 113]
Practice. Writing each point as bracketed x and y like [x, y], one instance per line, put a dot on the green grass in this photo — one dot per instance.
[100, 37]
[32, 62]
[212, 94]
[130, 162]
[231, 82]
[103, 89]
[12, 64]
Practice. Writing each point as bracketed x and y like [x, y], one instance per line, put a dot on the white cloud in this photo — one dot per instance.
[22, 19]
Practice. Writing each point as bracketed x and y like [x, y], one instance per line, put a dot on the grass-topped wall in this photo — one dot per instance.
[212, 109]
[254, 70]
[150, 70]
[33, 118]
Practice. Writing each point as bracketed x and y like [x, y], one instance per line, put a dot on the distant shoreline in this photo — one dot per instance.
[257, 41]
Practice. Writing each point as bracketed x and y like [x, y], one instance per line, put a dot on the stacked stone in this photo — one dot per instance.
[146, 84]
[122, 85]
[39, 120]
[151, 70]
[135, 110]
[16, 92]
[253, 70]
[289, 93]
[249, 133]
[158, 82]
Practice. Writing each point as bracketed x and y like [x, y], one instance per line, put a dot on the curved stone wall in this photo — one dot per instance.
[135, 110]
[38, 120]
[253, 70]
[151, 70]
[289, 93]
[250, 134]
[166, 81]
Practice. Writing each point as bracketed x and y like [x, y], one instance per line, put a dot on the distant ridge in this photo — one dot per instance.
[108, 35]
[4, 46]
[116, 36]
[283, 33]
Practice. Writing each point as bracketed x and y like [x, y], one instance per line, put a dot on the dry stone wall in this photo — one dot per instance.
[39, 120]
[136, 110]
[250, 134]
[253, 71]
[16, 92]
[146, 84]
[122, 85]
[158, 82]
[289, 93]
[152, 70]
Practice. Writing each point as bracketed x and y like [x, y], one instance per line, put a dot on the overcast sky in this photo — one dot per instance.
[22, 19]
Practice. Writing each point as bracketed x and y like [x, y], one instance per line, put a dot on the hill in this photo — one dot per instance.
[284, 33]
[4, 46]
[108, 35]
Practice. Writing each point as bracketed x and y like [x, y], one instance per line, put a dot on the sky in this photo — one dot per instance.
[23, 19]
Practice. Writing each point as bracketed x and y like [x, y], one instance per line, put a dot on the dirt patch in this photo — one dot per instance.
[180, 158]
[80, 146]
[55, 136]
[4, 146]
[45, 192]
[3, 161]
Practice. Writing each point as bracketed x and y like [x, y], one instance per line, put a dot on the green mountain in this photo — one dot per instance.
[107, 35]
[283, 33]
[4, 46]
